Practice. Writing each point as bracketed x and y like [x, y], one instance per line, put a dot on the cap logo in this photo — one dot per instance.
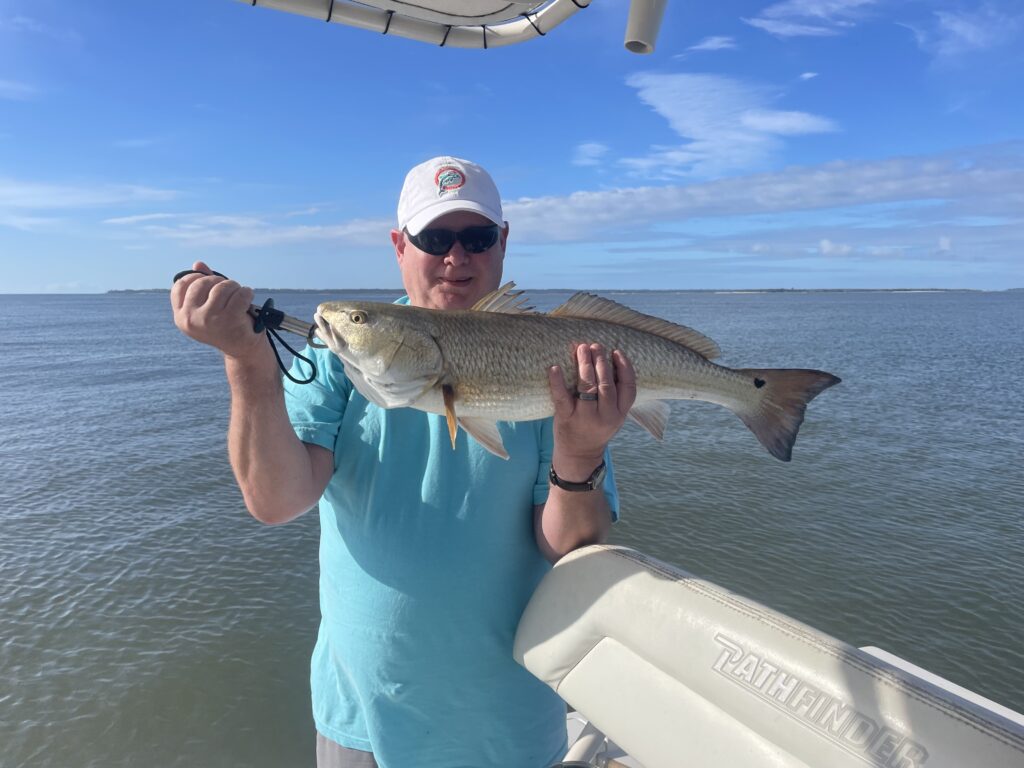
[448, 179]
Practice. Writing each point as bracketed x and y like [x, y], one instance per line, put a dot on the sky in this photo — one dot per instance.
[794, 144]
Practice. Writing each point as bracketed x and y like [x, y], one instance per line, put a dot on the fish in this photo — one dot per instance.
[488, 364]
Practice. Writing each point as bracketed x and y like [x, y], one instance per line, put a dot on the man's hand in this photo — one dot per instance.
[583, 427]
[214, 310]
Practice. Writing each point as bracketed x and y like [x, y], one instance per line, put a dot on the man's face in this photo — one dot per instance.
[457, 279]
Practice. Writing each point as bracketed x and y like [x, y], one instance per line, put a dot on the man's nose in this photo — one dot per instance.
[456, 254]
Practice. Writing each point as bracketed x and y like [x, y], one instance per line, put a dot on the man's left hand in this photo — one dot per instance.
[583, 427]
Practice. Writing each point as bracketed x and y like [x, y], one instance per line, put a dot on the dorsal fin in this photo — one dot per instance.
[504, 300]
[591, 307]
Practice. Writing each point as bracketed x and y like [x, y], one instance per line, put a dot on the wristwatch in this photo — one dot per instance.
[592, 482]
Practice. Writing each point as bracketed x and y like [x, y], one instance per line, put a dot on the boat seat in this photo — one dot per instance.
[682, 673]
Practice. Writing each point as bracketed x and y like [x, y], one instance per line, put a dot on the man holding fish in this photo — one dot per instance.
[432, 541]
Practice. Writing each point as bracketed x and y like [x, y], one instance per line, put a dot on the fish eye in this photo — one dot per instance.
[357, 316]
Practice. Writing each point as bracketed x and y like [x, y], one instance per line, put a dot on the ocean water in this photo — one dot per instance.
[146, 619]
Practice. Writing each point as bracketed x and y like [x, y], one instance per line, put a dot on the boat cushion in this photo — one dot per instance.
[681, 672]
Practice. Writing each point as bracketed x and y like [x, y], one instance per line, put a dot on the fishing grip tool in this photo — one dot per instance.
[268, 319]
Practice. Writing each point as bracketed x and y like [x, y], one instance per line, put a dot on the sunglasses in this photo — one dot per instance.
[437, 242]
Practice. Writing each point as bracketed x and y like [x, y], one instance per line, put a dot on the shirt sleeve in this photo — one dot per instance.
[542, 486]
[316, 409]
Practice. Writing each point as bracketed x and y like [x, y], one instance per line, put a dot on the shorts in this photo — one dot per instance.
[330, 754]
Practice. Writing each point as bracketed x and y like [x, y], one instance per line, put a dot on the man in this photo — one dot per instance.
[428, 554]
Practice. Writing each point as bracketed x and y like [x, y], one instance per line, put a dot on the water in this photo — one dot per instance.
[145, 619]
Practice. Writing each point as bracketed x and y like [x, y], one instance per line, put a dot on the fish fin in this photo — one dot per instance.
[591, 307]
[776, 417]
[505, 301]
[652, 415]
[388, 394]
[485, 432]
[449, 411]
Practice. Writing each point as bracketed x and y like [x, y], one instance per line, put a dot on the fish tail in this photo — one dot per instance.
[776, 416]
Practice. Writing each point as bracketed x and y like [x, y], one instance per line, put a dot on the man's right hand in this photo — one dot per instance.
[214, 310]
[279, 476]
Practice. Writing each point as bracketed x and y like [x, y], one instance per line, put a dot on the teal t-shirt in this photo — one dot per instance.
[427, 560]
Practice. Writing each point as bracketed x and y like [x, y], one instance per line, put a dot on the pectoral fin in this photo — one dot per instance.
[386, 393]
[449, 411]
[652, 416]
[486, 433]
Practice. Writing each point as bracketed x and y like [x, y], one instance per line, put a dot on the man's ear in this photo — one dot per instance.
[504, 237]
[398, 241]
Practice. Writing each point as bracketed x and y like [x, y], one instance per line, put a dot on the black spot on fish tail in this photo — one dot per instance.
[758, 382]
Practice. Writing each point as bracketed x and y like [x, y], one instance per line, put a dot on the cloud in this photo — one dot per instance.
[889, 195]
[28, 223]
[953, 34]
[589, 153]
[727, 122]
[128, 220]
[791, 29]
[786, 123]
[810, 18]
[902, 208]
[234, 231]
[718, 43]
[15, 91]
[808, 75]
[27, 24]
[24, 195]
[827, 248]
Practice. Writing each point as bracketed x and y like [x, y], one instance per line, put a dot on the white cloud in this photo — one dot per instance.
[311, 210]
[786, 123]
[15, 91]
[34, 26]
[128, 220]
[717, 43]
[810, 18]
[808, 75]
[827, 248]
[899, 209]
[845, 209]
[28, 223]
[984, 182]
[589, 153]
[230, 231]
[791, 29]
[24, 195]
[726, 121]
[953, 34]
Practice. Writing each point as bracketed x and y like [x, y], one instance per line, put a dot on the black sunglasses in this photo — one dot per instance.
[437, 242]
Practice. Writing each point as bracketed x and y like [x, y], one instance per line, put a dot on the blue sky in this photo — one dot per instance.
[795, 144]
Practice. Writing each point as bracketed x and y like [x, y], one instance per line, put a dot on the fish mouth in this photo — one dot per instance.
[327, 335]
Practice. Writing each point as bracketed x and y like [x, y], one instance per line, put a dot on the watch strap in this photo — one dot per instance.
[595, 479]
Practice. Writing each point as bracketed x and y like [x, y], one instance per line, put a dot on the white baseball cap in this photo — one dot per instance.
[445, 184]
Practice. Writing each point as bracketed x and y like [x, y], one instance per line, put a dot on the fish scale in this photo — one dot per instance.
[514, 371]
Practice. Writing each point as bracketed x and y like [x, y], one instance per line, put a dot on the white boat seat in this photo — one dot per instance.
[682, 673]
